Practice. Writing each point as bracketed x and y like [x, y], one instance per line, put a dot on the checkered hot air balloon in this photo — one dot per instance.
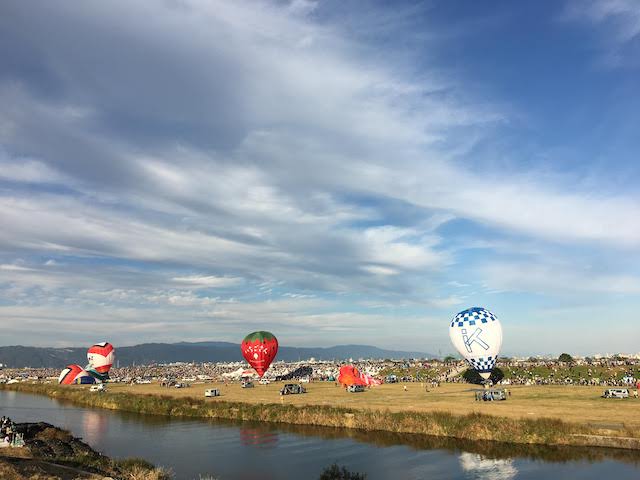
[100, 357]
[259, 349]
[477, 335]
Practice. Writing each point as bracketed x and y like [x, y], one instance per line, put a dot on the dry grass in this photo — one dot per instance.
[140, 469]
[8, 472]
[13, 468]
[22, 464]
[54, 434]
[571, 403]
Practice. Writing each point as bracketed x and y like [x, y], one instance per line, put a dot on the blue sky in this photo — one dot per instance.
[335, 172]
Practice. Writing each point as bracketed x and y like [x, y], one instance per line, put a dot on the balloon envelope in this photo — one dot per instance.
[350, 375]
[259, 349]
[69, 374]
[84, 378]
[101, 357]
[477, 335]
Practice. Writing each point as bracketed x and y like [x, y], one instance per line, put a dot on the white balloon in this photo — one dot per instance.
[477, 335]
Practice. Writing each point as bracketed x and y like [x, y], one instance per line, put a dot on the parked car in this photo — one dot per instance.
[98, 388]
[616, 393]
[355, 388]
[391, 379]
[211, 392]
[304, 380]
[292, 389]
[264, 381]
[247, 384]
[491, 395]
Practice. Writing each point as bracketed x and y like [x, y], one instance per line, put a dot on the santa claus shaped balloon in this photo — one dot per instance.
[101, 357]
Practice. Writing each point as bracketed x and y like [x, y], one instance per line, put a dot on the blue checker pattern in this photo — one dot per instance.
[483, 364]
[473, 316]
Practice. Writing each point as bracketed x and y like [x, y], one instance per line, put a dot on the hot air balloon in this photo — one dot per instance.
[477, 335]
[259, 349]
[101, 356]
[349, 375]
[69, 374]
[84, 378]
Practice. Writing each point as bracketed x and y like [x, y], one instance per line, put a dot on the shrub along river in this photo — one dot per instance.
[225, 450]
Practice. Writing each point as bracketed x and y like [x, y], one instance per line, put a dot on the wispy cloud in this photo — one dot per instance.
[618, 23]
[559, 279]
[274, 165]
[208, 281]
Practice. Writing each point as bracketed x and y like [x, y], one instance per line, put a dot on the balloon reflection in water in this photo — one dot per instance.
[479, 467]
[94, 426]
[255, 437]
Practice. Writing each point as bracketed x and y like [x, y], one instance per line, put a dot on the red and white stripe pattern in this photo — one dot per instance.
[69, 374]
[101, 357]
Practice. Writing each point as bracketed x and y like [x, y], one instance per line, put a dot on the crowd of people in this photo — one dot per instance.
[7, 431]
[605, 372]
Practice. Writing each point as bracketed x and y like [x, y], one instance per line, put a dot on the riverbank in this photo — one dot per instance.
[580, 405]
[54, 454]
[472, 426]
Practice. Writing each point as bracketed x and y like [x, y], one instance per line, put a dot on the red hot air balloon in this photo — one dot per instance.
[70, 373]
[259, 349]
[101, 356]
[349, 375]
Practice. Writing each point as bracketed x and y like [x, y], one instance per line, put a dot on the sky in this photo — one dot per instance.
[333, 172]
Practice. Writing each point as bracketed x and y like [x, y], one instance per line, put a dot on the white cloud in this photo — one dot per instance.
[29, 171]
[558, 279]
[208, 281]
[266, 152]
[618, 21]
[14, 268]
[623, 14]
[379, 270]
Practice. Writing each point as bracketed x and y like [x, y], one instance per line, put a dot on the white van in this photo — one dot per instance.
[616, 393]
[212, 392]
[98, 388]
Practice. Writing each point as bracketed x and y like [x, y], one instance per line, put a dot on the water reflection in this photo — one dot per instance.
[245, 450]
[94, 426]
[479, 467]
[488, 450]
[493, 450]
[258, 438]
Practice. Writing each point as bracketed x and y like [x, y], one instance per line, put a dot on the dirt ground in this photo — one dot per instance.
[577, 404]
[14, 465]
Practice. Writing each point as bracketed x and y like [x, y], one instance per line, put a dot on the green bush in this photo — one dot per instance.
[334, 472]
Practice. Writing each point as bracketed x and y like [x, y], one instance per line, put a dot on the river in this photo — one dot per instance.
[247, 451]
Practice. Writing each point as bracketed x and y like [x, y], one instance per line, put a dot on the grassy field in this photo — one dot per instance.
[581, 405]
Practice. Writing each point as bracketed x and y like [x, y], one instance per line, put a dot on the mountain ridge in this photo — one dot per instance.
[18, 356]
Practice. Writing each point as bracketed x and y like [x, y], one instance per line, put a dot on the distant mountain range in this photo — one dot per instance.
[147, 353]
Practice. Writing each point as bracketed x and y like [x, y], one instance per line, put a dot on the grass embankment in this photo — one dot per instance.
[54, 454]
[580, 405]
[575, 373]
[471, 426]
